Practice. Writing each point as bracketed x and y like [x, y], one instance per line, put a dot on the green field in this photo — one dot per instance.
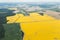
[12, 32]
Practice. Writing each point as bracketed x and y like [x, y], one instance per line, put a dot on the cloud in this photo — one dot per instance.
[29, 0]
[9, 0]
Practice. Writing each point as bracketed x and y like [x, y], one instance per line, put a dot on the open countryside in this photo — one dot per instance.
[37, 27]
[25, 21]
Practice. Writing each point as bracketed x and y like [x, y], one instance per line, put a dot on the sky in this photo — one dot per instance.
[29, 0]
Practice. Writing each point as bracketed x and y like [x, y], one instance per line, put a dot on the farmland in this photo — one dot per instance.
[36, 27]
[26, 23]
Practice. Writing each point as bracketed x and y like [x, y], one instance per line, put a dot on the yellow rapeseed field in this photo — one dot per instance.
[37, 27]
